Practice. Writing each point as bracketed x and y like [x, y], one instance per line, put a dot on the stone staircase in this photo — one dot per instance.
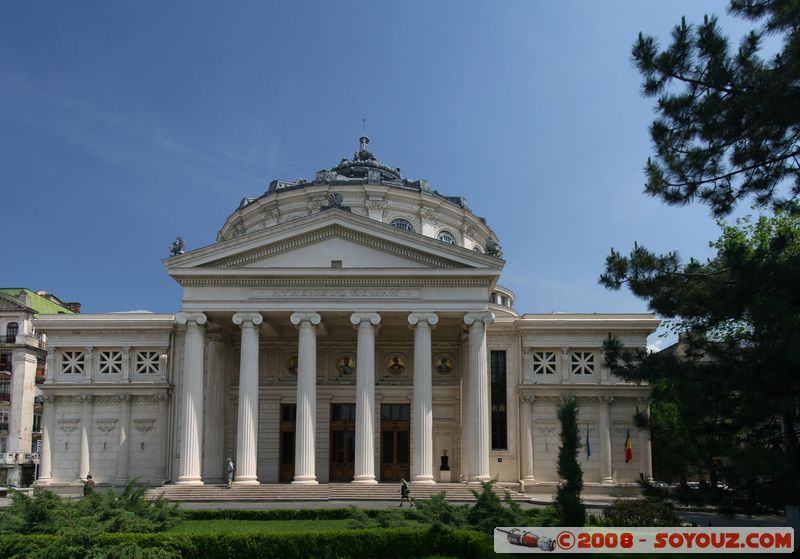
[323, 492]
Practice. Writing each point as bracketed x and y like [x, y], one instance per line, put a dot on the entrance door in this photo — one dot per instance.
[395, 438]
[343, 441]
[288, 420]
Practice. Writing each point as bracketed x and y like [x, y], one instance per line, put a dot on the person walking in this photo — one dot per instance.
[230, 469]
[404, 492]
[88, 485]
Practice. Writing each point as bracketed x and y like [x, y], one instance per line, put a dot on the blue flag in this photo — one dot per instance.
[588, 446]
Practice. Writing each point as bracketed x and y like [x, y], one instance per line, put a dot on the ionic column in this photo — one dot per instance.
[365, 396]
[214, 449]
[123, 451]
[526, 405]
[86, 435]
[479, 420]
[422, 427]
[605, 439]
[247, 432]
[304, 456]
[48, 432]
[465, 415]
[192, 398]
[645, 456]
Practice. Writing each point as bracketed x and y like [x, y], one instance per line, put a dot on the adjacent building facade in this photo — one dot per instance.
[348, 328]
[22, 365]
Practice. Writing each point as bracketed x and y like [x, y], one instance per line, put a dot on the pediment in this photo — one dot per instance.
[334, 243]
[10, 304]
[316, 241]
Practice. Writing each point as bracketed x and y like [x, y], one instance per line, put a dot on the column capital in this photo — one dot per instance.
[358, 318]
[416, 317]
[605, 400]
[300, 317]
[247, 319]
[484, 316]
[528, 398]
[193, 317]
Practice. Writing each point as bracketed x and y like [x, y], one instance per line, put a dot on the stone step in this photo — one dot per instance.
[321, 492]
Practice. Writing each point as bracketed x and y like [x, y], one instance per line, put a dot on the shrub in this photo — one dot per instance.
[47, 513]
[490, 511]
[640, 512]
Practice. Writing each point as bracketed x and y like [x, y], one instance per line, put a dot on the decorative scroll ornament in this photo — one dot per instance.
[106, 425]
[68, 425]
[145, 424]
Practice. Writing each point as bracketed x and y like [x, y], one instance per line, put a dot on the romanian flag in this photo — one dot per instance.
[628, 447]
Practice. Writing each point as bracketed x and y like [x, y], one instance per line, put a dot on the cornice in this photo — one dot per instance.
[333, 281]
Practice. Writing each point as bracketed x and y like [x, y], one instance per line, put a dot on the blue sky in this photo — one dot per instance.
[123, 125]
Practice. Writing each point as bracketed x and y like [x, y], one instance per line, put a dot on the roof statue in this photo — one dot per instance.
[177, 247]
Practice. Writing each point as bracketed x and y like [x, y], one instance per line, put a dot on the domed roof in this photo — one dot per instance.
[363, 168]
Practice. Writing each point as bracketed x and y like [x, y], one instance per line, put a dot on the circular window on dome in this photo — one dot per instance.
[447, 237]
[403, 224]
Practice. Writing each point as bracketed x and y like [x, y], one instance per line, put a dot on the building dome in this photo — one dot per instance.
[365, 186]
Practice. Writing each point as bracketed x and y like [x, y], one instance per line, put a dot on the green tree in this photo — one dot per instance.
[733, 390]
[568, 503]
[728, 119]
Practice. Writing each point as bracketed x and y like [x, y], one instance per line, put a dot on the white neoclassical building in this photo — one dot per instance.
[348, 328]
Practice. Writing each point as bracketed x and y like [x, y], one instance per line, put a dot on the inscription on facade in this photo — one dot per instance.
[337, 293]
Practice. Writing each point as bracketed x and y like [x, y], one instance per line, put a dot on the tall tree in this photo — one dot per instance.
[735, 390]
[728, 119]
[571, 511]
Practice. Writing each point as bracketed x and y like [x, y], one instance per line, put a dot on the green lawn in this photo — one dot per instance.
[238, 526]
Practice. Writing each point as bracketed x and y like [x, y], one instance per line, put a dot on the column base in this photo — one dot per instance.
[43, 481]
[423, 479]
[607, 481]
[246, 480]
[529, 479]
[305, 480]
[364, 480]
[189, 481]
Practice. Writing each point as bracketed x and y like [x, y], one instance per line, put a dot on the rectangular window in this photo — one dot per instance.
[544, 362]
[3, 421]
[110, 362]
[582, 363]
[498, 400]
[147, 362]
[5, 359]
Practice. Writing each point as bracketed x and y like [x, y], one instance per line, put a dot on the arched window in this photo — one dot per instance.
[446, 237]
[403, 224]
[477, 248]
[11, 332]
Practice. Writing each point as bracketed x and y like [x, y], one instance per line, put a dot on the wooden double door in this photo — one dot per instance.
[395, 441]
[343, 442]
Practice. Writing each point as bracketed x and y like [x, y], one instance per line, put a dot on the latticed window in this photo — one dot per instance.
[147, 362]
[544, 362]
[582, 363]
[73, 362]
[403, 224]
[447, 237]
[110, 362]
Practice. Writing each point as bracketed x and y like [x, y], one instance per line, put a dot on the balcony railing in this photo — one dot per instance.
[4, 427]
[5, 397]
[8, 339]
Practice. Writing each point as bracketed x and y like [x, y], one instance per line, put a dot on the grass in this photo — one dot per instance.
[270, 526]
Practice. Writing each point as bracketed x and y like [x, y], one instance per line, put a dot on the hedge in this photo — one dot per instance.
[356, 544]
[273, 514]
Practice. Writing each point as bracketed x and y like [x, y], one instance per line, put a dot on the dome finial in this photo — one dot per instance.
[363, 140]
